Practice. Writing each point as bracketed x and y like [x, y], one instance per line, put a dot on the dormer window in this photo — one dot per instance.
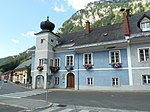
[145, 26]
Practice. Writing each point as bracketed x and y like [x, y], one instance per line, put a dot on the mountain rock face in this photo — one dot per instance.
[101, 14]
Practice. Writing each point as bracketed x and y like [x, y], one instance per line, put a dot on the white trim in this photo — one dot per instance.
[90, 81]
[139, 34]
[145, 29]
[63, 51]
[146, 79]
[67, 45]
[96, 69]
[103, 69]
[72, 59]
[115, 82]
[98, 44]
[59, 60]
[144, 22]
[144, 53]
[129, 65]
[44, 51]
[115, 58]
[140, 68]
[38, 62]
[91, 57]
[50, 62]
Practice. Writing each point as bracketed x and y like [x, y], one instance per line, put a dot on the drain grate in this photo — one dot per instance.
[60, 105]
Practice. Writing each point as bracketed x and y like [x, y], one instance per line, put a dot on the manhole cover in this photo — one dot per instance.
[60, 105]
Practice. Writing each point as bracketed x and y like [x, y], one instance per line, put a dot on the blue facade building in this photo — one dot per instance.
[94, 59]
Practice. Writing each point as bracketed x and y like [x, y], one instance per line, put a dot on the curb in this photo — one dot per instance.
[27, 108]
[50, 104]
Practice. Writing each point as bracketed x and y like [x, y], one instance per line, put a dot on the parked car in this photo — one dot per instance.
[17, 82]
[5, 81]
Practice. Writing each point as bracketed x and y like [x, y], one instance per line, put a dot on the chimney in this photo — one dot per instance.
[125, 23]
[87, 27]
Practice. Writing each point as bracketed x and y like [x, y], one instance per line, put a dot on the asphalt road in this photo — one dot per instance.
[6, 108]
[10, 87]
[139, 101]
[6, 88]
[116, 100]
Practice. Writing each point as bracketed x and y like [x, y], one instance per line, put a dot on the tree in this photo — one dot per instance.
[29, 78]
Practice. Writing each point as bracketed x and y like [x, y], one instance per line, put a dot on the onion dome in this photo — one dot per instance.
[47, 25]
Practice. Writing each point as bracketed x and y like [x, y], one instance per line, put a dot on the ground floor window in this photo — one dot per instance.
[115, 81]
[146, 79]
[90, 81]
[56, 80]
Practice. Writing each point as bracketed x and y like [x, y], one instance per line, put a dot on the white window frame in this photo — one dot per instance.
[116, 78]
[58, 62]
[138, 51]
[69, 62]
[91, 81]
[145, 26]
[51, 62]
[110, 60]
[57, 80]
[41, 61]
[146, 80]
[88, 59]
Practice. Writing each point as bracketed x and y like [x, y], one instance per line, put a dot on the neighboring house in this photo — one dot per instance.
[114, 57]
[7, 75]
[139, 50]
[20, 73]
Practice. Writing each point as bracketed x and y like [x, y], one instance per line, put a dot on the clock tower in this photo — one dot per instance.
[45, 42]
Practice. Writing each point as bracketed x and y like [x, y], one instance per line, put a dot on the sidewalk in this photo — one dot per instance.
[25, 103]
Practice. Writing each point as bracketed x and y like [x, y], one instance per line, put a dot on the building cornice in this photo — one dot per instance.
[98, 44]
[135, 35]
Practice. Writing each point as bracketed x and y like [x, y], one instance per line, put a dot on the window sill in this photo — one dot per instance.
[145, 29]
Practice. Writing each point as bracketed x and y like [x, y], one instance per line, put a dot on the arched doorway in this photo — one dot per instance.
[39, 82]
[70, 80]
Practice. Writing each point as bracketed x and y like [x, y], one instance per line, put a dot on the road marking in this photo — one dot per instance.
[66, 110]
[23, 94]
[84, 111]
[9, 96]
[50, 109]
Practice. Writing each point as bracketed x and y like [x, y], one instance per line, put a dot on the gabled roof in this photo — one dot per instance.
[96, 35]
[24, 64]
[134, 21]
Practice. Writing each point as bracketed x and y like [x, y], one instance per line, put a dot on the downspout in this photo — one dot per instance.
[78, 71]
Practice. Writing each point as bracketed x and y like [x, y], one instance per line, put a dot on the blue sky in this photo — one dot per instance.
[20, 19]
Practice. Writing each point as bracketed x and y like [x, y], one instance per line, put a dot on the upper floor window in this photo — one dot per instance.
[145, 25]
[69, 60]
[57, 61]
[114, 56]
[41, 62]
[88, 59]
[144, 54]
[51, 62]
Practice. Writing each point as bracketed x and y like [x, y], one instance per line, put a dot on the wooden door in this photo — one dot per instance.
[70, 80]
